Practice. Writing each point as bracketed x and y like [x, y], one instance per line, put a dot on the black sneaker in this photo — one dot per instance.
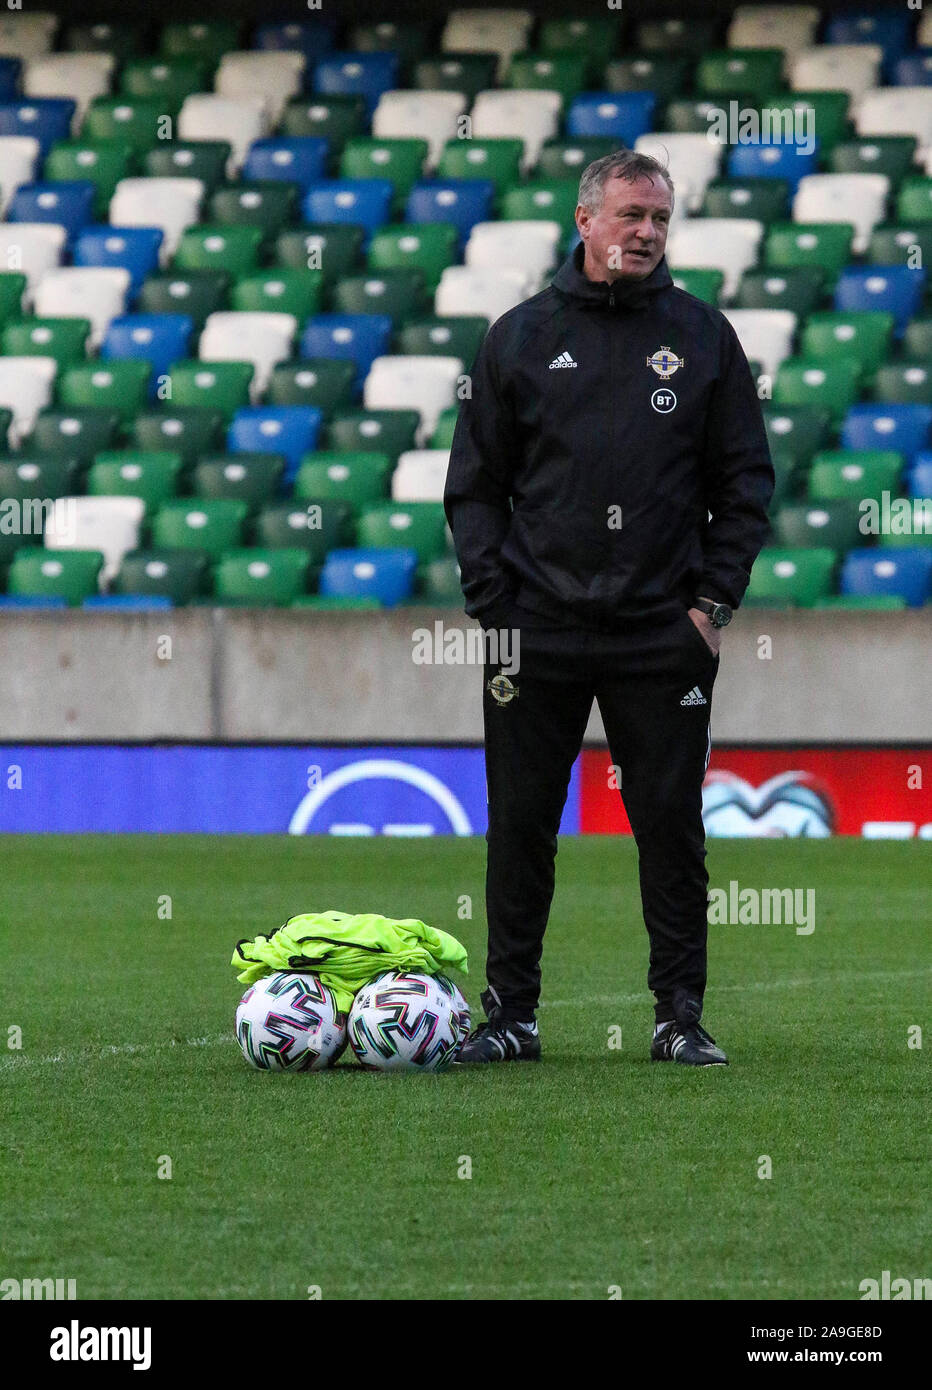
[500, 1039]
[683, 1040]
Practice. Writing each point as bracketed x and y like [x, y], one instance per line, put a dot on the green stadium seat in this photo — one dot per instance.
[210, 525]
[128, 120]
[167, 80]
[418, 526]
[695, 35]
[426, 246]
[764, 200]
[891, 155]
[6, 420]
[135, 473]
[317, 527]
[78, 433]
[332, 247]
[37, 475]
[247, 477]
[204, 39]
[446, 336]
[123, 40]
[798, 430]
[12, 288]
[234, 249]
[794, 577]
[691, 115]
[757, 71]
[197, 293]
[119, 385]
[914, 200]
[267, 578]
[439, 582]
[865, 335]
[269, 206]
[825, 244]
[812, 524]
[897, 243]
[552, 72]
[495, 159]
[854, 473]
[667, 74]
[917, 340]
[469, 73]
[103, 162]
[826, 111]
[64, 339]
[275, 290]
[190, 159]
[567, 157]
[389, 432]
[180, 575]
[400, 160]
[357, 478]
[903, 383]
[832, 384]
[442, 437]
[188, 431]
[333, 118]
[401, 294]
[798, 290]
[704, 284]
[218, 386]
[786, 470]
[68, 574]
[591, 38]
[918, 514]
[323, 382]
[553, 200]
[409, 40]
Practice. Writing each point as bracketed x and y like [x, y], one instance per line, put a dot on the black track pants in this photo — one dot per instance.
[654, 691]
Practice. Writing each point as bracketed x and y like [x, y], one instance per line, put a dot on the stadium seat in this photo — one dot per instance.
[409, 39]
[425, 384]
[896, 244]
[295, 292]
[464, 74]
[761, 199]
[46, 119]
[333, 118]
[419, 526]
[207, 40]
[12, 293]
[477, 290]
[210, 525]
[664, 74]
[63, 339]
[194, 293]
[35, 247]
[401, 161]
[795, 577]
[103, 162]
[298, 159]
[896, 111]
[903, 383]
[316, 528]
[189, 431]
[364, 202]
[454, 336]
[69, 575]
[234, 250]
[166, 80]
[904, 428]
[368, 75]
[278, 75]
[864, 335]
[856, 200]
[160, 339]
[692, 158]
[109, 525]
[95, 293]
[28, 35]
[854, 474]
[896, 289]
[24, 476]
[332, 248]
[704, 284]
[889, 30]
[832, 385]
[913, 69]
[530, 116]
[460, 202]
[798, 289]
[117, 386]
[400, 294]
[904, 573]
[920, 475]
[385, 575]
[69, 205]
[676, 35]
[123, 40]
[360, 338]
[429, 247]
[132, 473]
[290, 430]
[179, 575]
[129, 120]
[205, 160]
[263, 339]
[75, 434]
[19, 155]
[133, 249]
[624, 116]
[503, 32]
[312, 38]
[440, 583]
[253, 478]
[442, 437]
[550, 202]
[497, 161]
[73, 76]
[10, 72]
[728, 244]
[169, 203]
[26, 385]
[124, 603]
[825, 245]
[240, 121]
[724, 71]
[269, 206]
[565, 159]
[316, 381]
[420, 475]
[561, 72]
[765, 334]
[788, 160]
[220, 386]
[389, 431]
[266, 578]
[891, 155]
[789, 27]
[356, 478]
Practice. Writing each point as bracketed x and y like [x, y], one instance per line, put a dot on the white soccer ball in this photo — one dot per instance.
[290, 1022]
[460, 1005]
[404, 1022]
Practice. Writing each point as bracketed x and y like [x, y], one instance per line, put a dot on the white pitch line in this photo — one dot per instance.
[120, 1050]
[752, 986]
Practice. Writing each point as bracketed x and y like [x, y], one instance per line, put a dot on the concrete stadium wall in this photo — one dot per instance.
[243, 674]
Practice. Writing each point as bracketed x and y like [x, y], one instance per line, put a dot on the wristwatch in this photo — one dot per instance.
[719, 614]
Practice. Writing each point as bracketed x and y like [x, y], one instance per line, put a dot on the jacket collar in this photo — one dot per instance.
[627, 294]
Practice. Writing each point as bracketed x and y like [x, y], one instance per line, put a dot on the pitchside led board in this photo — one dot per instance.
[423, 791]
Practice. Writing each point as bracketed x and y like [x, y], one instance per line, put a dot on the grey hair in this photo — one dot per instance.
[623, 164]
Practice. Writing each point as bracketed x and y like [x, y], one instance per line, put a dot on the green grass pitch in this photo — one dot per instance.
[593, 1171]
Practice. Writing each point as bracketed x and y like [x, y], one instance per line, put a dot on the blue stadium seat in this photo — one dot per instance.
[9, 78]
[890, 31]
[69, 204]
[902, 428]
[301, 160]
[134, 248]
[364, 202]
[779, 160]
[386, 575]
[357, 74]
[161, 339]
[920, 475]
[32, 601]
[895, 288]
[359, 338]
[464, 202]
[290, 430]
[46, 119]
[130, 601]
[312, 38]
[903, 573]
[914, 69]
[621, 115]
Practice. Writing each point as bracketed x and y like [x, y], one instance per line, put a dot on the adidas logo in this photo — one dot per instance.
[694, 697]
[563, 360]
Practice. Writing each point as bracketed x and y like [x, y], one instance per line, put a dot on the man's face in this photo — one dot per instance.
[626, 238]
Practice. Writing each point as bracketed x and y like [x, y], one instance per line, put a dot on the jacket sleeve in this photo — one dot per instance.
[739, 479]
[477, 495]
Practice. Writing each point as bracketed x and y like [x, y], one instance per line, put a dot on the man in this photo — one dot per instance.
[607, 491]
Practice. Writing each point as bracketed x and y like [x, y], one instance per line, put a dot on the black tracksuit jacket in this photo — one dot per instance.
[544, 456]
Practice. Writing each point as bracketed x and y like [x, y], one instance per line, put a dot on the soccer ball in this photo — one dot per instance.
[460, 1006]
[404, 1022]
[290, 1022]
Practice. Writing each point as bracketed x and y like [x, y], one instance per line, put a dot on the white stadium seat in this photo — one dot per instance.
[276, 76]
[467, 289]
[856, 198]
[516, 114]
[97, 293]
[430, 116]
[924, 31]
[728, 244]
[81, 76]
[264, 339]
[420, 475]
[426, 384]
[504, 32]
[765, 334]
[840, 67]
[692, 158]
[19, 155]
[108, 524]
[25, 35]
[26, 385]
[33, 248]
[529, 246]
[169, 203]
[790, 27]
[897, 111]
[209, 116]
